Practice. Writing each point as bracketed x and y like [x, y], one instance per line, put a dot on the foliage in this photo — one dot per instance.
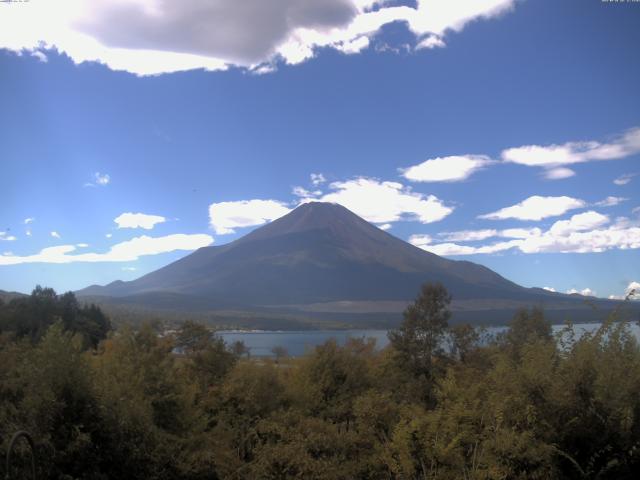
[437, 403]
[31, 316]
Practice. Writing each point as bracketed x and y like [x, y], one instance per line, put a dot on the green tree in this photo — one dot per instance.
[418, 343]
[527, 327]
[207, 358]
[31, 316]
[464, 340]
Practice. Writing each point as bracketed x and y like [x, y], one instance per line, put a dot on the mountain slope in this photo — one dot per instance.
[319, 254]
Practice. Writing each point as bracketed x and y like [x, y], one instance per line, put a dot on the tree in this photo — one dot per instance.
[280, 353]
[239, 349]
[208, 358]
[32, 316]
[527, 327]
[192, 337]
[464, 339]
[420, 337]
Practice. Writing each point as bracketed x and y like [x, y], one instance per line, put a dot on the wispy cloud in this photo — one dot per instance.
[317, 179]
[446, 169]
[624, 179]
[554, 158]
[536, 208]
[138, 220]
[610, 202]
[99, 180]
[41, 56]
[304, 193]
[432, 41]
[586, 292]
[54, 234]
[582, 233]
[226, 217]
[28, 220]
[479, 235]
[559, 173]
[4, 236]
[127, 251]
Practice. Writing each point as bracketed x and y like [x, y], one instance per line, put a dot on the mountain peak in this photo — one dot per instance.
[311, 216]
[318, 252]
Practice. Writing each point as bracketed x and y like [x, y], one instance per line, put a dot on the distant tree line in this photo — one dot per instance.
[31, 316]
[106, 404]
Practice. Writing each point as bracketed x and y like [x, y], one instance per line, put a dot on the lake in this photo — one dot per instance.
[260, 343]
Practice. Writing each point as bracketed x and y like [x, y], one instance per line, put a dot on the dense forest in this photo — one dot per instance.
[438, 402]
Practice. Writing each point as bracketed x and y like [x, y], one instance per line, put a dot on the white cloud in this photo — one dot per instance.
[82, 245]
[586, 292]
[419, 240]
[99, 180]
[158, 36]
[468, 235]
[445, 249]
[41, 56]
[55, 234]
[565, 239]
[102, 178]
[304, 193]
[29, 220]
[549, 289]
[385, 226]
[450, 248]
[354, 46]
[109, 235]
[317, 179]
[28, 233]
[559, 173]
[578, 223]
[586, 232]
[432, 41]
[633, 290]
[478, 235]
[610, 202]
[554, 157]
[446, 169]
[519, 232]
[6, 237]
[624, 179]
[138, 220]
[127, 251]
[386, 202]
[129, 269]
[536, 208]
[225, 217]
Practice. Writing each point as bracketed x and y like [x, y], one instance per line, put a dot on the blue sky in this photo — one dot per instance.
[501, 132]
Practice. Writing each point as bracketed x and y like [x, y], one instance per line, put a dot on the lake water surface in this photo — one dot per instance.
[260, 343]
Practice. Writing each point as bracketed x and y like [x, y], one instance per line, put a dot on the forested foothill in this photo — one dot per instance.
[440, 401]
